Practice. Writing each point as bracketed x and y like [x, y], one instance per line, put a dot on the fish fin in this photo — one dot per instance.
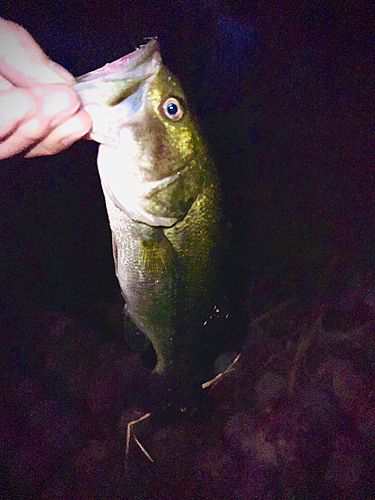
[158, 255]
[134, 337]
[115, 253]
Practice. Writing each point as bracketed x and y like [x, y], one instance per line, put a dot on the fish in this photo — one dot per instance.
[163, 199]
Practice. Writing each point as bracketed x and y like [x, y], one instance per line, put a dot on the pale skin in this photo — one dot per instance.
[40, 113]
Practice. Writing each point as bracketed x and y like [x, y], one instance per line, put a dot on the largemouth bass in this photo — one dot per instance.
[163, 201]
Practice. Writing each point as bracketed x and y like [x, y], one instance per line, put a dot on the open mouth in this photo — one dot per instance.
[135, 66]
[116, 93]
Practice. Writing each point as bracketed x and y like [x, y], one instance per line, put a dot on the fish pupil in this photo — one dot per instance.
[172, 108]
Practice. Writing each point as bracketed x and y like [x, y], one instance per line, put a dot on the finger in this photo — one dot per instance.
[63, 136]
[57, 103]
[23, 62]
[4, 84]
[16, 106]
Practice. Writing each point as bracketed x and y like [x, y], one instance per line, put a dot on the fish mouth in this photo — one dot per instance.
[116, 94]
[130, 65]
[125, 75]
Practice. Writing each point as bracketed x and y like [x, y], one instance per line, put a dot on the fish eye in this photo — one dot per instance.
[173, 109]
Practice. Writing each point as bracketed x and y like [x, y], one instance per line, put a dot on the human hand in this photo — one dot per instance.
[40, 114]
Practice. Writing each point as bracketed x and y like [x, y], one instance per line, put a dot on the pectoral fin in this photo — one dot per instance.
[158, 255]
[115, 253]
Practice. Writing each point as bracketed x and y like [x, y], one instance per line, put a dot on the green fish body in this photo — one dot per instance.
[163, 201]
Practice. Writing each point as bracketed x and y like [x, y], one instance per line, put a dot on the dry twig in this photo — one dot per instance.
[128, 437]
[216, 379]
[272, 312]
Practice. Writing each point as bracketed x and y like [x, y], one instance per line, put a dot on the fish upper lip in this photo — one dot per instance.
[125, 65]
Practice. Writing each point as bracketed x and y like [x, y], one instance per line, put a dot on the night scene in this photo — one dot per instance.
[187, 303]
